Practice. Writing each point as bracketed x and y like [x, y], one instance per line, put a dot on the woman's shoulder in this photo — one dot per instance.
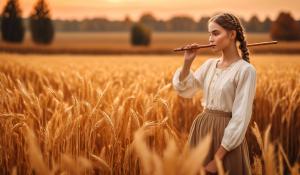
[245, 66]
[247, 69]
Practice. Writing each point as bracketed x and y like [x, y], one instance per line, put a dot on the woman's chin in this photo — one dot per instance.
[214, 49]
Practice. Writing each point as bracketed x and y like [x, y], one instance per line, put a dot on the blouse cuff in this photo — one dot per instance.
[181, 85]
[226, 147]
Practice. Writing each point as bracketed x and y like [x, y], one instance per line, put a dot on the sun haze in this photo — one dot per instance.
[161, 9]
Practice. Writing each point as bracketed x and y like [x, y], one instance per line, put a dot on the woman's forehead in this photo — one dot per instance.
[212, 26]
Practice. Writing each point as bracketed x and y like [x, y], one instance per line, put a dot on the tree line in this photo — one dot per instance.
[174, 24]
[40, 24]
[43, 28]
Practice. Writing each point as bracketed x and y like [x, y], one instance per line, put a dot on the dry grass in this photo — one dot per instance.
[120, 115]
[119, 43]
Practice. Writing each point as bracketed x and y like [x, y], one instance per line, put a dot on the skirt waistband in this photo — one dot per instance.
[214, 111]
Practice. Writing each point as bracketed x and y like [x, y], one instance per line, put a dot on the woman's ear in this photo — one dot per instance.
[233, 34]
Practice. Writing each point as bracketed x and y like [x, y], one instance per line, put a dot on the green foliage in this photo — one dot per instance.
[285, 28]
[140, 34]
[12, 28]
[41, 26]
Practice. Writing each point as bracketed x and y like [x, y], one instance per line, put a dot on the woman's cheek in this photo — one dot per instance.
[221, 42]
[218, 42]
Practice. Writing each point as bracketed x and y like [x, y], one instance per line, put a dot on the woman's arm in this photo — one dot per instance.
[221, 152]
[185, 70]
[236, 128]
[211, 167]
[186, 82]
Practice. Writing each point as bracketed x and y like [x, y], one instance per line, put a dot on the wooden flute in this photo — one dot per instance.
[211, 45]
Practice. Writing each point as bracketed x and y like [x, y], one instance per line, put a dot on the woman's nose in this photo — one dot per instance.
[210, 39]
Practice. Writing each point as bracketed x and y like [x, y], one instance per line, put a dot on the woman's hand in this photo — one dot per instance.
[211, 167]
[189, 55]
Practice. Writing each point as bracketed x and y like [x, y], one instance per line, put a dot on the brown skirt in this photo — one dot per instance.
[235, 162]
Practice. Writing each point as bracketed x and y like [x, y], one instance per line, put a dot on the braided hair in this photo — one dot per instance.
[232, 22]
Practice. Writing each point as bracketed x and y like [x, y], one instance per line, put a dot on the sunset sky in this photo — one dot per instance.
[162, 9]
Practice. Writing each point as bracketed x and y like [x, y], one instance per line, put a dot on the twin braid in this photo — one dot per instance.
[240, 35]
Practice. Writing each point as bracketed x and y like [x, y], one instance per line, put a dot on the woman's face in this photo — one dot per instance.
[218, 36]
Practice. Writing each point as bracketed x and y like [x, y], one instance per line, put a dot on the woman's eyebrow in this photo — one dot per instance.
[213, 31]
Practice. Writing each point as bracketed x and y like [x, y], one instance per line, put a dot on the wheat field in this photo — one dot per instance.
[66, 114]
[119, 43]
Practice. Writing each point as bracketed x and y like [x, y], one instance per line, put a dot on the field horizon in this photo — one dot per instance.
[116, 43]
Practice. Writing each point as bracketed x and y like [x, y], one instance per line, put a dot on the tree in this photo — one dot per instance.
[140, 34]
[12, 27]
[182, 23]
[148, 20]
[254, 24]
[202, 24]
[267, 24]
[127, 22]
[285, 28]
[42, 29]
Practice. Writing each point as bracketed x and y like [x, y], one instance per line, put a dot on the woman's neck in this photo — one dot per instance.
[229, 55]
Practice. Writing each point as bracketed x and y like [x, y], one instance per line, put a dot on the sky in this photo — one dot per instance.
[162, 9]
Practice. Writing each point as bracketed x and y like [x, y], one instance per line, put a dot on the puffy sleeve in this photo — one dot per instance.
[235, 131]
[192, 82]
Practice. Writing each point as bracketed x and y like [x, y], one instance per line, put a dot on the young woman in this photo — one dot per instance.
[229, 86]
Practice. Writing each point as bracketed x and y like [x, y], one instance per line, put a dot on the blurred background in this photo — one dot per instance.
[84, 76]
[134, 26]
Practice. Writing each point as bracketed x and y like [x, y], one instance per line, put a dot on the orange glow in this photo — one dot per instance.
[161, 9]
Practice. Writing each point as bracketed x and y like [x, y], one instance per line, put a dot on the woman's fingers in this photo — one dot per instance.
[195, 45]
[187, 46]
[191, 46]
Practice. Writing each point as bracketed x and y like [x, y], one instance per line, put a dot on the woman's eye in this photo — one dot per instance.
[213, 34]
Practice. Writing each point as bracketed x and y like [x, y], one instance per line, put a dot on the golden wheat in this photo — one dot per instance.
[120, 115]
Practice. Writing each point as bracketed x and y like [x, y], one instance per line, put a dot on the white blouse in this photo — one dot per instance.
[230, 89]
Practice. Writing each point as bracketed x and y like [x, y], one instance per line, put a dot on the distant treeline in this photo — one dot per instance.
[174, 24]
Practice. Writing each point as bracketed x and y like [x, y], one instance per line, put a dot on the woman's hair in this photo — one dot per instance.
[231, 22]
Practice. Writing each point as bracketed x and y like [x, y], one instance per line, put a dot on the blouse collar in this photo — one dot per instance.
[221, 69]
